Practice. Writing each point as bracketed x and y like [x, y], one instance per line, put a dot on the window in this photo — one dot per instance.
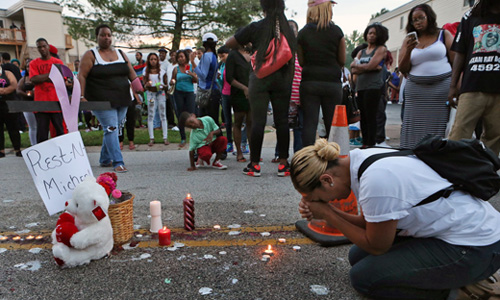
[469, 3]
[402, 22]
[1, 23]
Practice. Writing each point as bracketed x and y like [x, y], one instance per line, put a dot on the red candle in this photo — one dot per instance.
[164, 236]
[187, 68]
[188, 204]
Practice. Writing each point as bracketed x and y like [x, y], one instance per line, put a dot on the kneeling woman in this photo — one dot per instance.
[401, 251]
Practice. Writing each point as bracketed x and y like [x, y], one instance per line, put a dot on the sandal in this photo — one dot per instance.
[106, 165]
[121, 169]
[151, 143]
[182, 144]
[166, 142]
[275, 160]
[131, 147]
[242, 159]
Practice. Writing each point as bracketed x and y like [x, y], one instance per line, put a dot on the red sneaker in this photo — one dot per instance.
[217, 165]
[253, 171]
[283, 170]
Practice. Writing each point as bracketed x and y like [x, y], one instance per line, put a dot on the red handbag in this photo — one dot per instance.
[269, 66]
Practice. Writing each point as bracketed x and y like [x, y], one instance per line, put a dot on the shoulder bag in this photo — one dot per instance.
[203, 96]
[283, 55]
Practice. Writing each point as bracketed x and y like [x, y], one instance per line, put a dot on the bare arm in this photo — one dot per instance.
[375, 238]
[13, 84]
[448, 41]
[374, 63]
[458, 65]
[405, 55]
[341, 54]
[39, 79]
[20, 88]
[85, 65]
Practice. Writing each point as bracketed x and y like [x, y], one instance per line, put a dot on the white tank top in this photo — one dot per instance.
[100, 61]
[430, 61]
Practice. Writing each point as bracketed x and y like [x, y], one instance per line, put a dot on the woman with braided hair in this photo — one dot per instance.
[275, 87]
[401, 250]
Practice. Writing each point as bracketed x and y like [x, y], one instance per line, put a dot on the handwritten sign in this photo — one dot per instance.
[57, 166]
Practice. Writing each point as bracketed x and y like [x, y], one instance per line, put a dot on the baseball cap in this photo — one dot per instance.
[209, 35]
[312, 3]
[162, 50]
[52, 49]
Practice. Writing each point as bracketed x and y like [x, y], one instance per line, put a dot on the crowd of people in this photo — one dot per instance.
[301, 74]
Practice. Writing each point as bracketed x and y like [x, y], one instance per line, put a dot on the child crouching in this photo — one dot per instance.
[204, 140]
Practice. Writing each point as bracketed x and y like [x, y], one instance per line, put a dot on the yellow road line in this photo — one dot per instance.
[201, 233]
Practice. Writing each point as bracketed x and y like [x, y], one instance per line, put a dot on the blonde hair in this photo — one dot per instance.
[320, 14]
[311, 162]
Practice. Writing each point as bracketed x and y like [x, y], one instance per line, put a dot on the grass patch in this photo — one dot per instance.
[94, 138]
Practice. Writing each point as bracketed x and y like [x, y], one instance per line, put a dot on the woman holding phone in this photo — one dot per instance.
[426, 59]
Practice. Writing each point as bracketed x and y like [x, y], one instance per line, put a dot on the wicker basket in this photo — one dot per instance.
[122, 220]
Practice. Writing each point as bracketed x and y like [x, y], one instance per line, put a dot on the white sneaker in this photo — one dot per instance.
[217, 165]
[175, 128]
[383, 144]
[199, 163]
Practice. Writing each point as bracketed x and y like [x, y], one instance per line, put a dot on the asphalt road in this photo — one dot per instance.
[228, 266]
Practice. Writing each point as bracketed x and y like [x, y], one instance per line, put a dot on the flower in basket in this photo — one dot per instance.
[108, 181]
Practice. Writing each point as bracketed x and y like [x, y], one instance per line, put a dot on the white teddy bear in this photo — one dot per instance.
[84, 231]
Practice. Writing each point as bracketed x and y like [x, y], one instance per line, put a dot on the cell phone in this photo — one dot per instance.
[413, 35]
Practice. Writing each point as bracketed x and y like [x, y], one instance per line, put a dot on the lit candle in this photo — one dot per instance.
[188, 204]
[217, 227]
[39, 237]
[4, 238]
[164, 236]
[269, 251]
[282, 240]
[155, 210]
[30, 237]
[16, 238]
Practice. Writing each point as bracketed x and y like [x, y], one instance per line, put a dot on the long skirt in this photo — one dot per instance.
[426, 111]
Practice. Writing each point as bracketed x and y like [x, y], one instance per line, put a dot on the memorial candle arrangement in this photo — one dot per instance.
[188, 212]
[164, 236]
[155, 210]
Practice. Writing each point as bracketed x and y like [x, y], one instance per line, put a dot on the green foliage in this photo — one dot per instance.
[381, 12]
[352, 41]
[181, 19]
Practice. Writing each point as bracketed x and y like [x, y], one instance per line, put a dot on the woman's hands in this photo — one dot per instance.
[411, 43]
[316, 209]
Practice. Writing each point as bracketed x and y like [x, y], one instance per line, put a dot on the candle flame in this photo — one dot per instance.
[16, 238]
[30, 237]
[164, 227]
[269, 247]
[188, 196]
[39, 237]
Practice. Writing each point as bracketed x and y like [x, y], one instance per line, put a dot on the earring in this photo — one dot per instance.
[331, 184]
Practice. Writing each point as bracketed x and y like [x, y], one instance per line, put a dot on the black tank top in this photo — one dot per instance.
[109, 82]
[5, 82]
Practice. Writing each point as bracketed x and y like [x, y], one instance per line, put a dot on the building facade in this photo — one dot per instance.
[447, 11]
[27, 20]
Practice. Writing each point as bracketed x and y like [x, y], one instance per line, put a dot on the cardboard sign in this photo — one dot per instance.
[57, 166]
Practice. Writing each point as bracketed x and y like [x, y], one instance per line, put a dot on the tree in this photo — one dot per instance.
[352, 41]
[381, 12]
[179, 19]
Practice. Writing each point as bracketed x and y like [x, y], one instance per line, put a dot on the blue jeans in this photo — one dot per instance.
[112, 122]
[421, 268]
[226, 109]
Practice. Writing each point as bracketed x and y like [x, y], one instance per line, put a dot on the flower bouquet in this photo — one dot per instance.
[121, 208]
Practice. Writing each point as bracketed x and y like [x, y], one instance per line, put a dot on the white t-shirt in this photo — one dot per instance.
[391, 187]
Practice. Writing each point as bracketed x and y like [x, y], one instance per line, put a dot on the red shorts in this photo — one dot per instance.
[217, 146]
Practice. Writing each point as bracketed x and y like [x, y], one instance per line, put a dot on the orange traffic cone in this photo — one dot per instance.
[319, 230]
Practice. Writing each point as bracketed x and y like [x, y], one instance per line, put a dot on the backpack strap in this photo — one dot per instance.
[373, 158]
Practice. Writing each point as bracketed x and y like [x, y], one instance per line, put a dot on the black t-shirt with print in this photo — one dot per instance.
[479, 39]
[320, 49]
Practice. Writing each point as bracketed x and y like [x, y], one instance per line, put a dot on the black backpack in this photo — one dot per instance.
[467, 164]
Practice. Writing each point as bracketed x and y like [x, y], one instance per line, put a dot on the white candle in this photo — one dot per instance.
[155, 210]
[282, 240]
[217, 227]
